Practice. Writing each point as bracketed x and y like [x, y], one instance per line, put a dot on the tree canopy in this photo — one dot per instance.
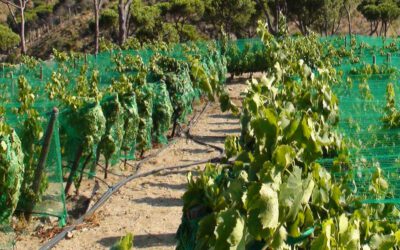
[8, 39]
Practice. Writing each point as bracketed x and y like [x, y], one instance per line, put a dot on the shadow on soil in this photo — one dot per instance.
[226, 131]
[183, 172]
[224, 116]
[210, 138]
[160, 202]
[224, 123]
[143, 241]
[166, 185]
[195, 150]
[77, 206]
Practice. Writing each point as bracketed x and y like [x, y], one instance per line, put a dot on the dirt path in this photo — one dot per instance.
[151, 207]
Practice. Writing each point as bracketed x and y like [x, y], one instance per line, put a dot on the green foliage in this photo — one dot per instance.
[144, 99]
[8, 39]
[130, 113]
[111, 140]
[148, 24]
[306, 12]
[31, 133]
[184, 11]
[125, 243]
[275, 193]
[106, 45]
[189, 32]
[30, 61]
[365, 91]
[233, 15]
[131, 43]
[11, 172]
[368, 70]
[246, 58]
[384, 11]
[392, 115]
[127, 116]
[175, 75]
[208, 74]
[329, 16]
[108, 19]
[162, 112]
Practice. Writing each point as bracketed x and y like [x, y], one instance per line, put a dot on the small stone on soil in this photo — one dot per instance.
[69, 235]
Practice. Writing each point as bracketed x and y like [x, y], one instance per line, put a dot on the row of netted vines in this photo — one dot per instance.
[113, 107]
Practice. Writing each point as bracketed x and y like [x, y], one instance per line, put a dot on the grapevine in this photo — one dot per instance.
[275, 194]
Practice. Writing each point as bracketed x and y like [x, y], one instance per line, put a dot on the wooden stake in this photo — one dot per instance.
[42, 161]
[74, 168]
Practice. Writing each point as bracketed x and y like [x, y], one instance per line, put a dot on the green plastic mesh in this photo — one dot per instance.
[120, 125]
[136, 120]
[52, 200]
[145, 107]
[111, 141]
[11, 175]
[162, 112]
[362, 102]
[131, 122]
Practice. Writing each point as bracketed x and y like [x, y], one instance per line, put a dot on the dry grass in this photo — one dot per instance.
[3, 13]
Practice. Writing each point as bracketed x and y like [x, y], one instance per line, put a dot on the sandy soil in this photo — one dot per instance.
[149, 207]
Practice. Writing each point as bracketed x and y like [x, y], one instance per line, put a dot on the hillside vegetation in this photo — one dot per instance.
[71, 24]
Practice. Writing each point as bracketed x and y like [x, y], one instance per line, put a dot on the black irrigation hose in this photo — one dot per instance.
[159, 151]
[97, 178]
[110, 172]
[191, 137]
[55, 240]
[171, 142]
[195, 120]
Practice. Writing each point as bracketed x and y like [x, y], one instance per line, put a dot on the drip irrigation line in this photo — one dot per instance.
[127, 163]
[151, 156]
[195, 120]
[111, 172]
[172, 141]
[55, 240]
[97, 178]
[194, 139]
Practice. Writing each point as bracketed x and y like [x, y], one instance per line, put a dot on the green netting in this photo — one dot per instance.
[51, 201]
[369, 65]
[131, 121]
[246, 56]
[162, 112]
[144, 109]
[112, 107]
[11, 175]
